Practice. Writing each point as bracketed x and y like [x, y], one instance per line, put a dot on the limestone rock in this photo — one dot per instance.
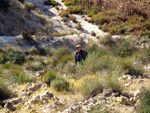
[39, 73]
[60, 102]
[33, 87]
[13, 101]
[123, 100]
[35, 99]
[48, 109]
[47, 94]
[44, 86]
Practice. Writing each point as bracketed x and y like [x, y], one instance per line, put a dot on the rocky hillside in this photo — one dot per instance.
[37, 70]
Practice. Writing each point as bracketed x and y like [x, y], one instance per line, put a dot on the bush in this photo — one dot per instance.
[29, 6]
[22, 77]
[112, 82]
[130, 66]
[66, 58]
[51, 2]
[42, 51]
[144, 106]
[74, 10]
[73, 18]
[35, 65]
[5, 93]
[107, 40]
[90, 86]
[91, 46]
[27, 37]
[143, 55]
[49, 77]
[60, 85]
[78, 26]
[93, 33]
[124, 49]
[33, 51]
[4, 4]
[13, 56]
[62, 52]
[64, 13]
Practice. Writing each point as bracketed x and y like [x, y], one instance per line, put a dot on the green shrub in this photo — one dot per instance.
[49, 77]
[35, 65]
[144, 106]
[143, 55]
[22, 77]
[69, 68]
[33, 51]
[124, 49]
[4, 4]
[14, 56]
[62, 52]
[91, 46]
[74, 10]
[5, 93]
[60, 85]
[130, 66]
[91, 86]
[64, 13]
[101, 19]
[112, 82]
[51, 2]
[42, 51]
[66, 58]
[107, 40]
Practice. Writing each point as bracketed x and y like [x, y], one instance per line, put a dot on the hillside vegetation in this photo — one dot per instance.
[115, 16]
[114, 77]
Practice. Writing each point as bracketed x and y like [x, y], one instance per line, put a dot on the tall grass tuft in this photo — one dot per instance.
[22, 77]
[49, 77]
[5, 92]
[144, 106]
[60, 85]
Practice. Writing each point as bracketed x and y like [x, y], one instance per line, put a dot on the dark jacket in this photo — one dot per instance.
[79, 56]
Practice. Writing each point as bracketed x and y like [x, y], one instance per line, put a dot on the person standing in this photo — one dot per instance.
[80, 54]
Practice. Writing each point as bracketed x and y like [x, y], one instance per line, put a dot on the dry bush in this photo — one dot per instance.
[64, 13]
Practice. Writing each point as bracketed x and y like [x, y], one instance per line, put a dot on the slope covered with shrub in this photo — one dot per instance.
[115, 16]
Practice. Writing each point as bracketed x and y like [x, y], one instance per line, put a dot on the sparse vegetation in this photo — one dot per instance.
[51, 3]
[144, 105]
[4, 91]
[60, 85]
[29, 6]
[64, 13]
[49, 77]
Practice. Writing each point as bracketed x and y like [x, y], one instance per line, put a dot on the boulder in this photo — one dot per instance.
[35, 99]
[48, 109]
[123, 100]
[47, 94]
[13, 101]
[44, 86]
[60, 102]
[33, 87]
[39, 73]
